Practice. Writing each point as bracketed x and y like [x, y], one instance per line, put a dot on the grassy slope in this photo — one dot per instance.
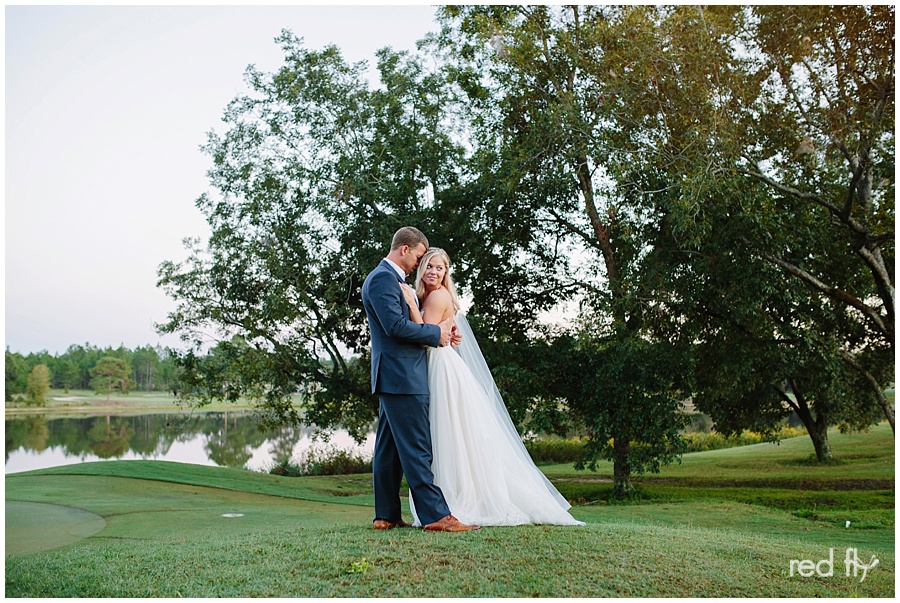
[166, 536]
[858, 486]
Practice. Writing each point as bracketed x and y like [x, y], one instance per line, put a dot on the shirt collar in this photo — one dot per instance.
[397, 269]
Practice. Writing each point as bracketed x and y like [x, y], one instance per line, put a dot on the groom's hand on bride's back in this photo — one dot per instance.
[446, 326]
[455, 337]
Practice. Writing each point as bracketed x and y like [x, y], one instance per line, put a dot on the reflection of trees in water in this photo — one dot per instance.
[231, 445]
[108, 438]
[36, 433]
[283, 441]
[31, 433]
[231, 437]
[150, 439]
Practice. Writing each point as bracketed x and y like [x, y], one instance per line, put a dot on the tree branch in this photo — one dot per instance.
[803, 195]
[833, 292]
[868, 250]
[876, 386]
[810, 122]
[601, 230]
[573, 229]
[857, 173]
[792, 404]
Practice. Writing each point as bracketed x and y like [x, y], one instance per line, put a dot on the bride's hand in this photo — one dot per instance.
[409, 294]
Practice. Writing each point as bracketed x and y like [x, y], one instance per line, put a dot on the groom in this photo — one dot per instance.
[400, 378]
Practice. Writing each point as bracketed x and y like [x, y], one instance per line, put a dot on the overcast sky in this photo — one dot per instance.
[106, 108]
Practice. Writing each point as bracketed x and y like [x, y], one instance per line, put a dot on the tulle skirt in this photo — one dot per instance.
[482, 468]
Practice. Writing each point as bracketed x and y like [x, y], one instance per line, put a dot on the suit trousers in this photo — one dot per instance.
[403, 446]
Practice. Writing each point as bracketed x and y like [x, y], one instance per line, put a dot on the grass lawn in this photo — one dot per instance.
[723, 523]
[65, 403]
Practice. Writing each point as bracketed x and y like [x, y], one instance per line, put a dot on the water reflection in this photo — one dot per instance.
[225, 439]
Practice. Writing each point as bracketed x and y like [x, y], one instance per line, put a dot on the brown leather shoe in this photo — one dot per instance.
[450, 524]
[384, 524]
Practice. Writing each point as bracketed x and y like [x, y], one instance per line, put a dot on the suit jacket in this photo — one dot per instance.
[399, 363]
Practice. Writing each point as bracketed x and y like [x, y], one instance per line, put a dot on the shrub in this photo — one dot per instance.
[699, 442]
[323, 461]
[555, 450]
[558, 450]
[286, 466]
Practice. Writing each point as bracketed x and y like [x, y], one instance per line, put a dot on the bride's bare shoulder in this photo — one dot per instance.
[437, 305]
[440, 295]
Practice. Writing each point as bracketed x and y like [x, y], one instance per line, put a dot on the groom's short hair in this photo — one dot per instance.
[408, 235]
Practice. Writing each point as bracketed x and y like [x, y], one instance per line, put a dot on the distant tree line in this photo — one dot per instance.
[85, 366]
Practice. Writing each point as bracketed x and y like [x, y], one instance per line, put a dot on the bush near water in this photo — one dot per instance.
[319, 461]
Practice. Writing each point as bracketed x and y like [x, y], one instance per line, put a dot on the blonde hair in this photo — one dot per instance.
[448, 280]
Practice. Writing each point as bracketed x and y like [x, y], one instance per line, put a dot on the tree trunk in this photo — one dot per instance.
[816, 427]
[887, 408]
[818, 433]
[622, 485]
[600, 229]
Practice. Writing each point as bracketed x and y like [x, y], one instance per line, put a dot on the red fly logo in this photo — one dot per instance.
[825, 568]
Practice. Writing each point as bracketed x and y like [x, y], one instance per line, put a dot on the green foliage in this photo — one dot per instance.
[287, 467]
[675, 162]
[13, 367]
[712, 190]
[145, 363]
[68, 373]
[38, 384]
[359, 567]
[546, 127]
[551, 450]
[154, 367]
[701, 442]
[110, 375]
[768, 346]
[628, 406]
[555, 450]
[530, 371]
[312, 177]
[325, 461]
[785, 264]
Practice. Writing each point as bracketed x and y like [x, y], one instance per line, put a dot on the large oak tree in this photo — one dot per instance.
[711, 189]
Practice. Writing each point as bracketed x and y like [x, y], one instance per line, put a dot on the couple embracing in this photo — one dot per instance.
[441, 420]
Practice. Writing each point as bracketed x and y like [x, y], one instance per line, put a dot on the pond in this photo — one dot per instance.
[224, 439]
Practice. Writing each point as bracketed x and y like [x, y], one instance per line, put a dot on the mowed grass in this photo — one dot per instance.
[68, 402]
[857, 487]
[695, 531]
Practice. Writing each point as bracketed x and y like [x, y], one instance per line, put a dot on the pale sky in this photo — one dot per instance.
[106, 108]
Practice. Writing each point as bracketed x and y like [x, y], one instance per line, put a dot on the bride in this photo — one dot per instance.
[479, 463]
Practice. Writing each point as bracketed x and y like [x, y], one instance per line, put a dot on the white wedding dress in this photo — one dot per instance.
[479, 462]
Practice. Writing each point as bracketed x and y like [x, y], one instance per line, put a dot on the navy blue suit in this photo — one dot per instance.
[400, 378]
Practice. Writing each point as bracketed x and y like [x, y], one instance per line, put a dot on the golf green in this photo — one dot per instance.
[32, 527]
[119, 508]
